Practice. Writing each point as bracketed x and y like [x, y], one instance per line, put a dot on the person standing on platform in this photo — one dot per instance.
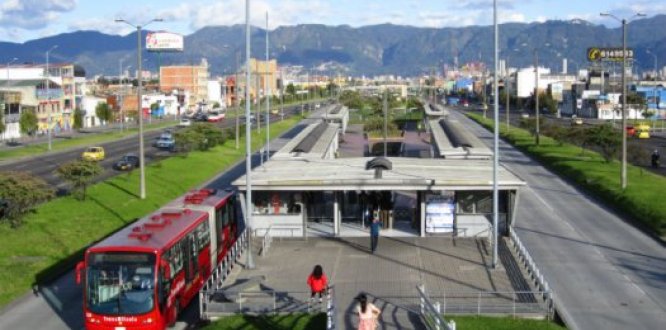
[374, 231]
[318, 283]
[367, 312]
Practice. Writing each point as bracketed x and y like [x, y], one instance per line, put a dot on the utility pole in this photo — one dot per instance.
[496, 136]
[385, 108]
[48, 96]
[536, 94]
[7, 109]
[142, 169]
[267, 91]
[507, 87]
[623, 172]
[236, 100]
[249, 262]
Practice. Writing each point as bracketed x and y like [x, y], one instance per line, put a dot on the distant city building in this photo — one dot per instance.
[191, 79]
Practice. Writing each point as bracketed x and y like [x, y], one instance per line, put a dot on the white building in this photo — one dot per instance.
[216, 92]
[167, 105]
[88, 105]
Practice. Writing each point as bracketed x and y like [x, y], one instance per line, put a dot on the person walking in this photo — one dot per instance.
[318, 283]
[374, 231]
[655, 158]
[367, 313]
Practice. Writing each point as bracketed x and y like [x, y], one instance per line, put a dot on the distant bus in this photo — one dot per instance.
[142, 276]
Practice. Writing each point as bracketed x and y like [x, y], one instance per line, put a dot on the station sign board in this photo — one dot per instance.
[164, 42]
[608, 54]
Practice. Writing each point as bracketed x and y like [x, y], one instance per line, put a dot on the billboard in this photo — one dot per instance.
[440, 212]
[164, 42]
[596, 54]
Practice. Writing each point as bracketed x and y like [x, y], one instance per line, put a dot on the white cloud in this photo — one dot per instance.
[104, 25]
[33, 14]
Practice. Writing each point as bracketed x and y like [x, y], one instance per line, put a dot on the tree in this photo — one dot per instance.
[216, 105]
[635, 98]
[606, 139]
[78, 119]
[79, 173]
[28, 122]
[103, 112]
[291, 90]
[2, 121]
[351, 99]
[20, 192]
[200, 136]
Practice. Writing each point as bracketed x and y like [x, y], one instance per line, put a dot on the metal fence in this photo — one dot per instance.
[431, 313]
[265, 301]
[534, 273]
[221, 272]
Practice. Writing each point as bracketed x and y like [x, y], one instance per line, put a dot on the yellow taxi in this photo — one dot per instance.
[643, 131]
[93, 154]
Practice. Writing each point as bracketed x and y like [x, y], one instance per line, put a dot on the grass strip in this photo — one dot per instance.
[59, 144]
[641, 200]
[502, 323]
[55, 235]
[297, 321]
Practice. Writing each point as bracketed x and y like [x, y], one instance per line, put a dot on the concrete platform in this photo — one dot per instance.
[448, 268]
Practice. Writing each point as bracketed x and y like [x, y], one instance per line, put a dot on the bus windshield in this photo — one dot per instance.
[120, 283]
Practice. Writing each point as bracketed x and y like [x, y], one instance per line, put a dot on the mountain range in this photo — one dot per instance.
[367, 50]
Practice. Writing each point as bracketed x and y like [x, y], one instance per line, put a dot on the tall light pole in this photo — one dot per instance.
[249, 262]
[507, 90]
[267, 91]
[7, 110]
[236, 100]
[48, 96]
[142, 170]
[656, 73]
[623, 172]
[496, 135]
[536, 95]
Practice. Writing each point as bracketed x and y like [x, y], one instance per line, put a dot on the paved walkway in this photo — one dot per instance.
[390, 276]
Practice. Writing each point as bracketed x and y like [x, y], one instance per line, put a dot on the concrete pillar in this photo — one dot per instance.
[421, 200]
[336, 213]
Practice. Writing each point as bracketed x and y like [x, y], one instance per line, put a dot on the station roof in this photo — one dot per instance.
[312, 142]
[351, 174]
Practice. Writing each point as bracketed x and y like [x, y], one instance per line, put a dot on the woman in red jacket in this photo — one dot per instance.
[318, 282]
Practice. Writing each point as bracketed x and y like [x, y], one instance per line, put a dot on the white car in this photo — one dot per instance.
[215, 116]
[185, 122]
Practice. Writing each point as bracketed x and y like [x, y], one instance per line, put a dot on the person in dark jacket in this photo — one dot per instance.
[655, 158]
[374, 231]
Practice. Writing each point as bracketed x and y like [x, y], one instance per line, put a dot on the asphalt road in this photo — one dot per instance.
[58, 305]
[44, 165]
[605, 273]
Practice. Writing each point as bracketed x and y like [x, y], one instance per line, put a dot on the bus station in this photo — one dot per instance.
[305, 190]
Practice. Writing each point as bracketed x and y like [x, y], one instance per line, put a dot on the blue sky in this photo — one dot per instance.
[22, 20]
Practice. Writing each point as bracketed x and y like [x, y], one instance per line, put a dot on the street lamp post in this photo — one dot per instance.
[623, 172]
[495, 136]
[6, 100]
[142, 171]
[48, 96]
[536, 95]
[267, 91]
[249, 262]
[656, 73]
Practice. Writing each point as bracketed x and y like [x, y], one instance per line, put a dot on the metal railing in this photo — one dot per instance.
[514, 303]
[222, 271]
[256, 302]
[533, 271]
[431, 313]
[331, 309]
[266, 242]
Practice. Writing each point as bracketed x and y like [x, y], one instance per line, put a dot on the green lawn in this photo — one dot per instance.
[54, 236]
[270, 322]
[502, 323]
[78, 141]
[643, 198]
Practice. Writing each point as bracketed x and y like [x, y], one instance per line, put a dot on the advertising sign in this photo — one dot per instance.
[164, 42]
[596, 54]
[439, 213]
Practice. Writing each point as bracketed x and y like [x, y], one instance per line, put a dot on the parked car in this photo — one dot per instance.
[631, 131]
[93, 154]
[184, 122]
[576, 121]
[127, 163]
[215, 116]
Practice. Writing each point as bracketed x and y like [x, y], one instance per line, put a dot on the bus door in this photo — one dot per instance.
[191, 258]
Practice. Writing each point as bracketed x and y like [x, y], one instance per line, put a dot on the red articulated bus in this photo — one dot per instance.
[143, 275]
